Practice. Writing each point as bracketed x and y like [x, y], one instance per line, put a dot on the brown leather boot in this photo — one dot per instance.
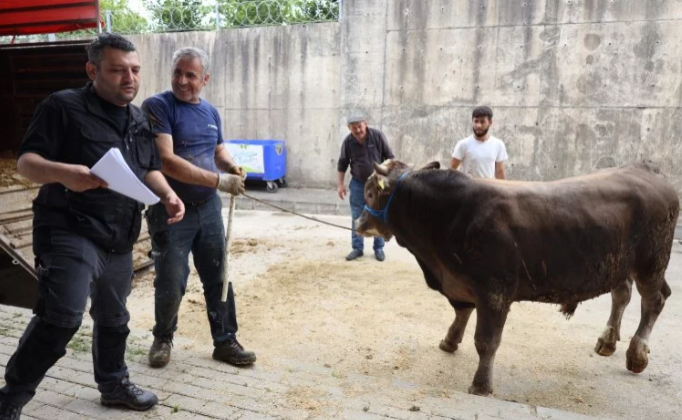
[160, 351]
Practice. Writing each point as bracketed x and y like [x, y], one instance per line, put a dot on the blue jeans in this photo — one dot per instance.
[201, 232]
[357, 204]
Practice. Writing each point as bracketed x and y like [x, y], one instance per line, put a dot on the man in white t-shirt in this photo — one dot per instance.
[480, 155]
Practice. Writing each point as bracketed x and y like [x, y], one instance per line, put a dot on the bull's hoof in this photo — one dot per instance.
[603, 348]
[483, 391]
[447, 347]
[636, 360]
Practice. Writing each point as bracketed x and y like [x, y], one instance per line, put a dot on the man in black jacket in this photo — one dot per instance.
[83, 233]
[362, 147]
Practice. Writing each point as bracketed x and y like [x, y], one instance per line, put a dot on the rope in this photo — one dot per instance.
[295, 213]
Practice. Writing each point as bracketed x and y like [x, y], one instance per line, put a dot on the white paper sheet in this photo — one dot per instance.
[114, 170]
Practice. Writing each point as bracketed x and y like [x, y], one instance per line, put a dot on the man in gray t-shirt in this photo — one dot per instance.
[359, 150]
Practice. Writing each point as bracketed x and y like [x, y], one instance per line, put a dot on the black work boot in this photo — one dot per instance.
[9, 411]
[127, 394]
[160, 351]
[232, 352]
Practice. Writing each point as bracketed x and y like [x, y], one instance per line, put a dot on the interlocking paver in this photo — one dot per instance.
[193, 386]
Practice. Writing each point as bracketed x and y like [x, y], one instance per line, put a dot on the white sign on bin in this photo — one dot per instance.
[248, 156]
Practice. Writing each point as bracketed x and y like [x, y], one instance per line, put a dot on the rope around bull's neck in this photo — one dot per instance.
[295, 213]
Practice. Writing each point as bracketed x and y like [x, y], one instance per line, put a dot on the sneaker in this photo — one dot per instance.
[379, 255]
[9, 411]
[356, 253]
[160, 352]
[232, 352]
[127, 394]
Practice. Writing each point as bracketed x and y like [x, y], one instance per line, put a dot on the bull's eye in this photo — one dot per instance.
[370, 195]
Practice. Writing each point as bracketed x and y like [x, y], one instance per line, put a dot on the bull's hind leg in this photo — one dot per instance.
[463, 311]
[490, 321]
[620, 298]
[653, 300]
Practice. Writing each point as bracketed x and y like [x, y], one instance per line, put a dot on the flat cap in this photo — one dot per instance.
[356, 118]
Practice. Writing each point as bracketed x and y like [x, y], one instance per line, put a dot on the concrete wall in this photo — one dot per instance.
[267, 83]
[575, 84]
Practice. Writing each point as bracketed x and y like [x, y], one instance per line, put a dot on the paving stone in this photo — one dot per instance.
[194, 386]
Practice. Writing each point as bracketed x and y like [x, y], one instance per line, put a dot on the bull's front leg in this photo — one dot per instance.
[620, 297]
[463, 311]
[491, 317]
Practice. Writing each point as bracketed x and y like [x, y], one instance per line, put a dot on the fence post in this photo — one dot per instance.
[108, 14]
[217, 17]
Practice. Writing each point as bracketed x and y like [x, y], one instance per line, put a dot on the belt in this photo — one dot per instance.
[197, 203]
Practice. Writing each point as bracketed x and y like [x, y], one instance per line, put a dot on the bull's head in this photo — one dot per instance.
[379, 189]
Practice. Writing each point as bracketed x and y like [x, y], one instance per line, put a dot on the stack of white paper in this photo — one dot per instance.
[113, 169]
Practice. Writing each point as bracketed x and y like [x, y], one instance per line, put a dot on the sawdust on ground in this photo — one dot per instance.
[299, 300]
[8, 171]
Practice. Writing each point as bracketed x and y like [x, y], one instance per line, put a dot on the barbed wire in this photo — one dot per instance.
[222, 14]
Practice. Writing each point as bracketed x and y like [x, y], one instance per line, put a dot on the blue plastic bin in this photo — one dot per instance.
[263, 160]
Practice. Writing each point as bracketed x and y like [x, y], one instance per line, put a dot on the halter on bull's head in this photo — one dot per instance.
[380, 188]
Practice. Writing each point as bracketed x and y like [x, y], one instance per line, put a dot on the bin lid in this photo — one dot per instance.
[256, 142]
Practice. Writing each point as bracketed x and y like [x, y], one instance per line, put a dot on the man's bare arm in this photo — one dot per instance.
[224, 161]
[42, 171]
[341, 188]
[499, 170]
[454, 163]
[178, 168]
[158, 184]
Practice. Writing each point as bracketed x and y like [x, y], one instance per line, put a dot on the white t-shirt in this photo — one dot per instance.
[479, 157]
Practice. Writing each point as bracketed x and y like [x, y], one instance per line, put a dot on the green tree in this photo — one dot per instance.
[174, 15]
[316, 10]
[122, 18]
[275, 12]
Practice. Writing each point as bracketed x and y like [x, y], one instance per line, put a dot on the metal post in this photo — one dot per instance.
[217, 17]
[108, 14]
[340, 10]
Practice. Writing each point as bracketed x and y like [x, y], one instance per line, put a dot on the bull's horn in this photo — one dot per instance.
[381, 169]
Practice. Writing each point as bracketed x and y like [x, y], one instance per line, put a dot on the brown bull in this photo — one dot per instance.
[487, 243]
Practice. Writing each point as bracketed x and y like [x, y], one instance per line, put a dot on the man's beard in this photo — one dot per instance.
[481, 133]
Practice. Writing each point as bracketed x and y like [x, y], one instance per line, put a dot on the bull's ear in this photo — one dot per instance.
[380, 169]
[432, 165]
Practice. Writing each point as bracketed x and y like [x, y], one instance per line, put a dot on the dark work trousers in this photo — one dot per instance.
[202, 232]
[70, 268]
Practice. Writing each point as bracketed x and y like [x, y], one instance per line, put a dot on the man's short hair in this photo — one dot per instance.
[104, 40]
[482, 111]
[194, 53]
[356, 118]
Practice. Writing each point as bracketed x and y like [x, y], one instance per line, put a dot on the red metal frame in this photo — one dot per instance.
[27, 17]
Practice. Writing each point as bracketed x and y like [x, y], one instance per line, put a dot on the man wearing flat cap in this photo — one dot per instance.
[362, 147]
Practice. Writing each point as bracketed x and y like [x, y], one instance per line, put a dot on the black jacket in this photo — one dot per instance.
[70, 127]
